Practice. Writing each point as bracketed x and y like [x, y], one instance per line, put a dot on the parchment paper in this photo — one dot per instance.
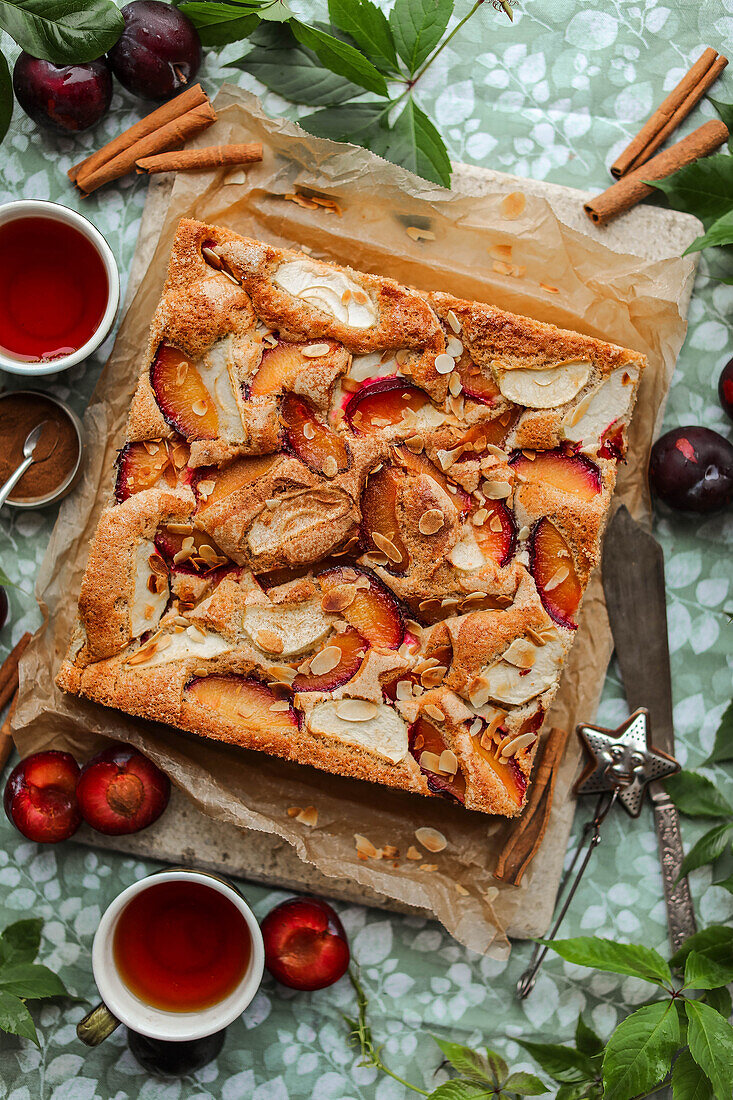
[603, 293]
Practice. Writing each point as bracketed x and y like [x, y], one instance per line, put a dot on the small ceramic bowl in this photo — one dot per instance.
[39, 208]
[70, 480]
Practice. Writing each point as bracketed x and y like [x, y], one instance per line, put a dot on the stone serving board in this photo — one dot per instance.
[185, 836]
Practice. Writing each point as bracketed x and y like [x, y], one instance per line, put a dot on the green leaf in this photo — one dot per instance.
[220, 24]
[725, 110]
[703, 188]
[720, 233]
[714, 943]
[708, 848]
[296, 74]
[562, 1063]
[723, 747]
[639, 1053]
[414, 143]
[15, 1018]
[462, 1090]
[720, 1000]
[358, 123]
[417, 27]
[688, 1080]
[62, 31]
[526, 1084]
[586, 1040]
[20, 941]
[618, 958]
[711, 1045]
[704, 973]
[31, 981]
[6, 113]
[726, 883]
[469, 1063]
[369, 28]
[696, 796]
[582, 1091]
[340, 57]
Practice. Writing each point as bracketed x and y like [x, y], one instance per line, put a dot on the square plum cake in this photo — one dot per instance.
[351, 524]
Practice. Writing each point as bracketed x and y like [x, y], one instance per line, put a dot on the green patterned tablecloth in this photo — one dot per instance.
[555, 96]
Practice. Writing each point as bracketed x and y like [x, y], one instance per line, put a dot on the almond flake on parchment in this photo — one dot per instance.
[416, 234]
[431, 838]
[308, 816]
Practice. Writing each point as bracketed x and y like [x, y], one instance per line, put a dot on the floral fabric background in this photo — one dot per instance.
[554, 96]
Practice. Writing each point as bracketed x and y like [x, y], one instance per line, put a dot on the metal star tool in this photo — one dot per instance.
[623, 760]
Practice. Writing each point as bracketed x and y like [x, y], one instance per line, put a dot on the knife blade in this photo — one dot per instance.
[633, 583]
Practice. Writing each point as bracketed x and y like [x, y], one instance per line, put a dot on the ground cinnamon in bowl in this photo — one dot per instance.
[57, 457]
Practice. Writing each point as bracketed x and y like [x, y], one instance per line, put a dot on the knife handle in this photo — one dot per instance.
[680, 910]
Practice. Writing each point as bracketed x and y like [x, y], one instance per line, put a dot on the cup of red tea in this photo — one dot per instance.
[176, 957]
[59, 287]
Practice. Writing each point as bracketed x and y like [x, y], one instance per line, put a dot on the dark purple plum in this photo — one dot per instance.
[692, 469]
[159, 52]
[64, 98]
[725, 388]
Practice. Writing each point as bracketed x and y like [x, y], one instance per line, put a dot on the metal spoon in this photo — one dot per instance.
[31, 442]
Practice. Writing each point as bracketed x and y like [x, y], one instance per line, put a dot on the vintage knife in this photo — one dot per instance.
[633, 582]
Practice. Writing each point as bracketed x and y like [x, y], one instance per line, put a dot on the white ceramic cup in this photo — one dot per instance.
[39, 208]
[122, 1006]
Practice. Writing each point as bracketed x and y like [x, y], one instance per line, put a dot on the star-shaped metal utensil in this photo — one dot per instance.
[623, 760]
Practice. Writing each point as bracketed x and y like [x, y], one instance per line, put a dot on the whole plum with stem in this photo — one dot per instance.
[725, 388]
[158, 53]
[691, 469]
[64, 98]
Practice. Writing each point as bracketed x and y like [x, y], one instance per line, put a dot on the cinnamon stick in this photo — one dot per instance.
[6, 738]
[526, 836]
[175, 132]
[212, 156]
[670, 113]
[631, 189]
[9, 670]
[174, 108]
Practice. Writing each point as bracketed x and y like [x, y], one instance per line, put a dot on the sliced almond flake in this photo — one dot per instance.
[403, 690]
[428, 867]
[513, 204]
[209, 554]
[326, 660]
[205, 488]
[330, 466]
[314, 351]
[453, 321]
[557, 578]
[157, 565]
[309, 431]
[365, 847]
[200, 407]
[339, 598]
[448, 761]
[518, 743]
[183, 555]
[535, 636]
[497, 490]
[416, 234]
[433, 676]
[523, 534]
[387, 547]
[478, 692]
[444, 363]
[550, 289]
[430, 522]
[269, 640]
[279, 705]
[390, 851]
[179, 528]
[454, 347]
[430, 762]
[293, 811]
[195, 633]
[479, 518]
[430, 838]
[461, 890]
[412, 853]
[434, 712]
[457, 406]
[447, 458]
[414, 444]
[454, 384]
[521, 653]
[360, 297]
[308, 816]
[414, 627]
[356, 710]
[282, 673]
[502, 268]
[475, 728]
[151, 446]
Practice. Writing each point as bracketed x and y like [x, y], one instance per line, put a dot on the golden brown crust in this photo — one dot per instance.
[261, 599]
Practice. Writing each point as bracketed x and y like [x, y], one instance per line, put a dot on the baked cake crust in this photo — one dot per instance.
[352, 523]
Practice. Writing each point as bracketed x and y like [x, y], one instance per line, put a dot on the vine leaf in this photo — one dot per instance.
[711, 1045]
[639, 1053]
[418, 26]
[62, 31]
[369, 28]
[340, 57]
